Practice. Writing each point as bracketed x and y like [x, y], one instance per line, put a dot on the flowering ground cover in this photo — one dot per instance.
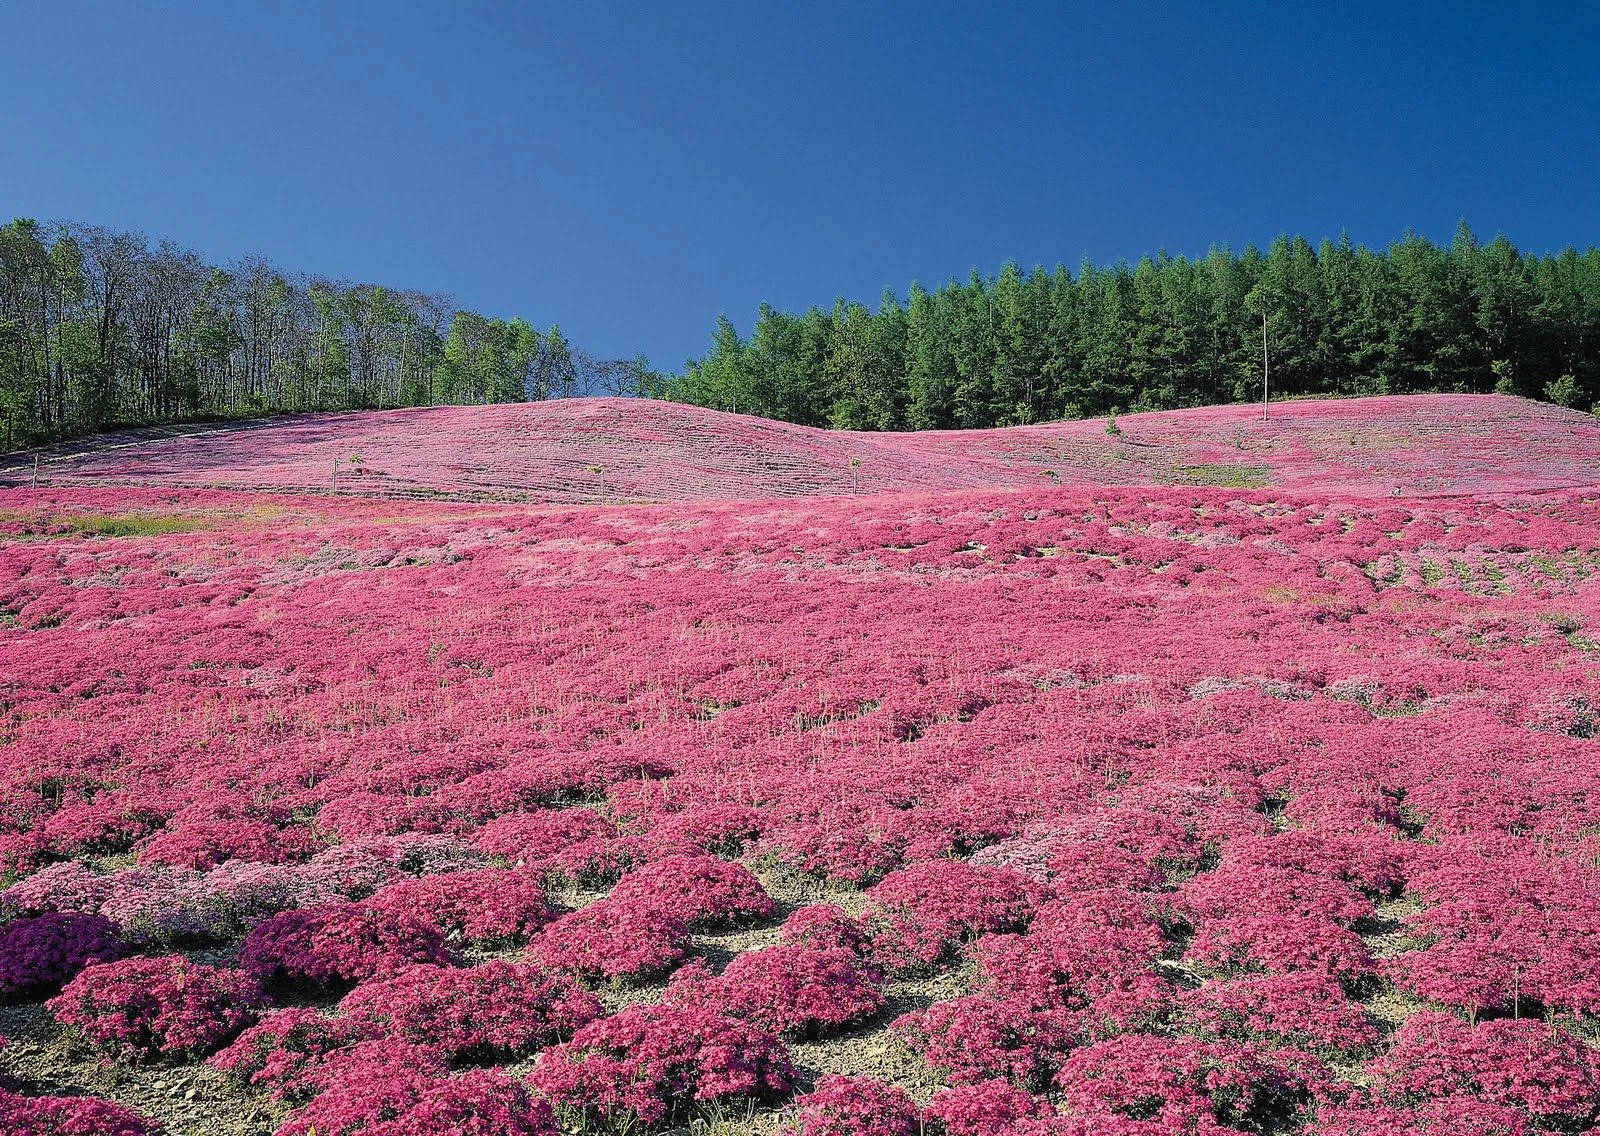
[617, 450]
[1066, 809]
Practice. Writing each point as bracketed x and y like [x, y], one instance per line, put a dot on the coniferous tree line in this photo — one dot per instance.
[100, 328]
[1341, 319]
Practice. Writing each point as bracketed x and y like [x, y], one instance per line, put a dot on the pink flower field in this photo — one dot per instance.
[620, 450]
[966, 801]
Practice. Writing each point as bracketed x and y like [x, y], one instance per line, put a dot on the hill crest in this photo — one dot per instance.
[607, 449]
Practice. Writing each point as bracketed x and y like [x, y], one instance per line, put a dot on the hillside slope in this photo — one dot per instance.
[626, 450]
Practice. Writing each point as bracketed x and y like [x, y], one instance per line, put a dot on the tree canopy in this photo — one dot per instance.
[1169, 331]
[101, 328]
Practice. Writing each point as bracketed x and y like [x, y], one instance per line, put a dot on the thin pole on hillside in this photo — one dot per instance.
[1265, 403]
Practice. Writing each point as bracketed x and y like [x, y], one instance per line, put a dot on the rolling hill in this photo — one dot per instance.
[587, 450]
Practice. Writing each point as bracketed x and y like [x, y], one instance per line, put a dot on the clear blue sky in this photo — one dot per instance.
[630, 170]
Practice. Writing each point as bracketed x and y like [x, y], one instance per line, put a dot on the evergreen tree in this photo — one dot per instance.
[1169, 331]
[930, 368]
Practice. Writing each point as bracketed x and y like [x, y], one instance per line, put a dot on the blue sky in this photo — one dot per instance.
[631, 170]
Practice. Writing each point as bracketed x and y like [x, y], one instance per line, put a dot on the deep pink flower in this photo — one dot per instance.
[986, 1108]
[43, 951]
[487, 905]
[857, 1106]
[700, 890]
[786, 989]
[157, 1007]
[612, 939]
[338, 943]
[649, 1061]
[70, 1116]
[495, 1011]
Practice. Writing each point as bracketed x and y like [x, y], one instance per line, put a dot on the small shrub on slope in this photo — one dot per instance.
[841, 851]
[167, 907]
[857, 1106]
[486, 906]
[1304, 1009]
[382, 1099]
[718, 829]
[497, 1011]
[1076, 950]
[338, 943]
[1183, 1083]
[532, 839]
[648, 1062]
[157, 1007]
[1523, 1064]
[981, 1037]
[42, 952]
[614, 940]
[920, 913]
[1506, 924]
[600, 861]
[700, 890]
[68, 886]
[283, 1053]
[202, 844]
[786, 989]
[70, 1116]
[987, 1108]
[350, 871]
[1281, 943]
[1248, 889]
[1369, 862]
[824, 926]
[1449, 1116]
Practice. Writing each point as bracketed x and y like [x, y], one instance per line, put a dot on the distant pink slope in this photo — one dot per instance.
[653, 451]
[1417, 444]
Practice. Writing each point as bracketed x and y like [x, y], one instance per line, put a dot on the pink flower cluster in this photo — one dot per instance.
[920, 913]
[614, 940]
[1507, 928]
[824, 926]
[1081, 971]
[205, 843]
[41, 952]
[699, 890]
[358, 1074]
[864, 1106]
[649, 1062]
[69, 1116]
[338, 943]
[157, 1007]
[497, 1011]
[785, 989]
[1184, 1084]
[396, 1097]
[67, 886]
[1529, 1066]
[1256, 912]
[488, 906]
[857, 1106]
[1302, 1009]
[286, 1051]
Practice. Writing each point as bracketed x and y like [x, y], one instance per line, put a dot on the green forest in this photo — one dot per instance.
[100, 329]
[1021, 347]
